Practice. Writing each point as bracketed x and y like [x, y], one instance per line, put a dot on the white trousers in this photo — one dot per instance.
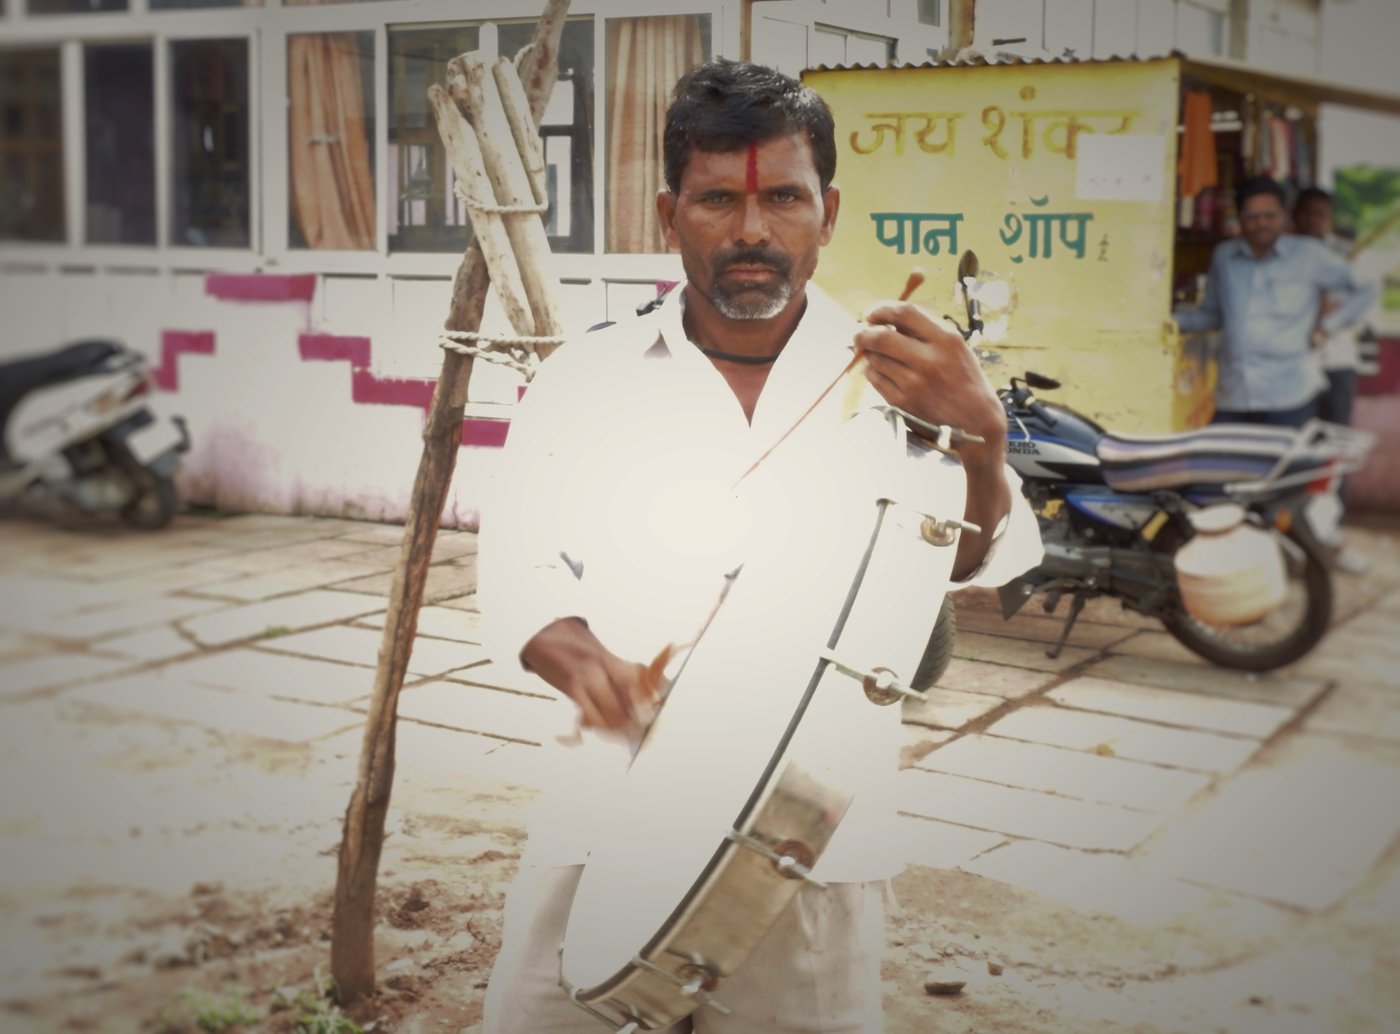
[817, 971]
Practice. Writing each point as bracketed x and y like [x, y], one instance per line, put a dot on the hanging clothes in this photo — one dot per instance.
[1196, 166]
[1279, 146]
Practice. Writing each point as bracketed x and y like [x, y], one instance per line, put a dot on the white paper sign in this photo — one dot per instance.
[1120, 166]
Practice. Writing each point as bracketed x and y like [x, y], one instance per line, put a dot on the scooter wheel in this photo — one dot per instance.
[154, 506]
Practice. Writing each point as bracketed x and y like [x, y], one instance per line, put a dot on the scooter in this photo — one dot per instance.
[1119, 515]
[77, 433]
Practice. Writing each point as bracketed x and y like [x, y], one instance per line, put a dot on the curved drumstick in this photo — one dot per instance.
[912, 284]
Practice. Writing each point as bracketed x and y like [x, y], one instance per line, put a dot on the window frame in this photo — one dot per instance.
[266, 30]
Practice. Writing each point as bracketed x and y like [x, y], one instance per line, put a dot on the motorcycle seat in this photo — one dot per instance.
[1218, 454]
[19, 377]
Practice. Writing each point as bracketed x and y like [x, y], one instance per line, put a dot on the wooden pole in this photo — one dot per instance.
[352, 932]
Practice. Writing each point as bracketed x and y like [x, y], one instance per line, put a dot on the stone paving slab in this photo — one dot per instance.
[1072, 773]
[268, 674]
[495, 675]
[1358, 710]
[224, 710]
[450, 545]
[1301, 828]
[1284, 688]
[1101, 884]
[298, 554]
[976, 646]
[33, 674]
[1043, 628]
[1349, 661]
[361, 646]
[276, 537]
[284, 579]
[31, 602]
[166, 580]
[949, 708]
[940, 845]
[1126, 738]
[491, 712]
[438, 622]
[997, 679]
[1159, 646]
[116, 618]
[1020, 813]
[376, 534]
[304, 610]
[106, 560]
[1172, 707]
[919, 742]
[444, 580]
[466, 602]
[156, 644]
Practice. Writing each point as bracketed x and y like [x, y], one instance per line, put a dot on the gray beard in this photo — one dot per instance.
[751, 305]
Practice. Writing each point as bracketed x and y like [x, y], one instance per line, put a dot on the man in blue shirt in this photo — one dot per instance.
[1265, 291]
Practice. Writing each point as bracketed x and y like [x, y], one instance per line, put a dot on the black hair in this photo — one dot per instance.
[1254, 187]
[1311, 194]
[725, 105]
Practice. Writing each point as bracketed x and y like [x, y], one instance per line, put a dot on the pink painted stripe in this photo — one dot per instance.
[173, 344]
[333, 347]
[483, 433]
[390, 391]
[260, 287]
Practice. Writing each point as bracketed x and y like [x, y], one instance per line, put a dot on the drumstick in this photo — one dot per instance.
[915, 279]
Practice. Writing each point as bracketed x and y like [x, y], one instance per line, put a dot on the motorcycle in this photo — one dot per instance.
[77, 433]
[1119, 513]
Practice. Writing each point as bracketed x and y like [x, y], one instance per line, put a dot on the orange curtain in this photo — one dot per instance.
[332, 186]
[1196, 166]
[646, 57]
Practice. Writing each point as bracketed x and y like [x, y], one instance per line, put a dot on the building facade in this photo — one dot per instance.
[254, 194]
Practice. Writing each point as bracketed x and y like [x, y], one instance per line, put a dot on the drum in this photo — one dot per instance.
[753, 760]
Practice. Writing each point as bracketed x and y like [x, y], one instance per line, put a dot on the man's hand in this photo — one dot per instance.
[611, 693]
[923, 366]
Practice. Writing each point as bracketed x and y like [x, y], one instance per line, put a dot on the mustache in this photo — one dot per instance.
[753, 256]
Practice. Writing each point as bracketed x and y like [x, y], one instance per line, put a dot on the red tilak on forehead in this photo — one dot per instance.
[751, 181]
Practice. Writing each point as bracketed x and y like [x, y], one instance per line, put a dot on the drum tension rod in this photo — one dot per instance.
[694, 987]
[881, 685]
[786, 864]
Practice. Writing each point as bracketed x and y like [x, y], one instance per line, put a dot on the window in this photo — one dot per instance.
[567, 133]
[171, 5]
[645, 58]
[833, 47]
[31, 146]
[119, 108]
[74, 6]
[330, 146]
[424, 214]
[209, 145]
[930, 12]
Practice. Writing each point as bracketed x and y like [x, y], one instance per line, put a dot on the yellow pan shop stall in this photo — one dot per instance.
[1063, 177]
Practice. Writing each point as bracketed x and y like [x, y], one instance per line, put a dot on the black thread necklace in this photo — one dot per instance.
[735, 357]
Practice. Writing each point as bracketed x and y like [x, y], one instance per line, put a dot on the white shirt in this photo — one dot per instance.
[615, 503]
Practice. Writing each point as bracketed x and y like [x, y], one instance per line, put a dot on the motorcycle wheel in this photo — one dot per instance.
[939, 651]
[1284, 636]
[154, 505]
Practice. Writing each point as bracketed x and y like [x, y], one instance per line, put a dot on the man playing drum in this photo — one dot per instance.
[616, 528]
